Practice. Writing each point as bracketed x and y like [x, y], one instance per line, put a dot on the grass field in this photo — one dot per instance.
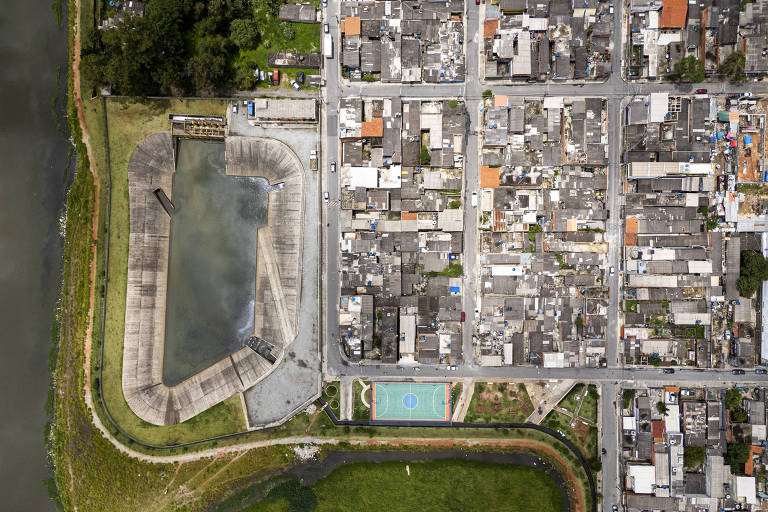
[361, 412]
[582, 435]
[588, 409]
[571, 400]
[130, 122]
[332, 396]
[502, 402]
[435, 485]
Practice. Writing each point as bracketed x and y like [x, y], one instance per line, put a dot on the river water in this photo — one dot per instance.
[33, 177]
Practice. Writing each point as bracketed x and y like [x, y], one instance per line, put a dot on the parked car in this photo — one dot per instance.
[262, 75]
[300, 77]
[295, 85]
[701, 91]
[746, 95]
[463, 316]
[610, 9]
[276, 77]
[477, 2]
[761, 371]
[325, 196]
[669, 370]
[613, 271]
[326, 28]
[452, 368]
[474, 199]
[738, 372]
[234, 108]
[333, 166]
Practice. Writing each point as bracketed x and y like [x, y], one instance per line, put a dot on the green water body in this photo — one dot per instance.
[212, 260]
[33, 179]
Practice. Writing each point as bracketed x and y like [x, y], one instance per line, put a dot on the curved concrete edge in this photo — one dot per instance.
[151, 167]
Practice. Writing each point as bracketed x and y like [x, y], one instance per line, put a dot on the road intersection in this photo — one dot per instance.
[615, 89]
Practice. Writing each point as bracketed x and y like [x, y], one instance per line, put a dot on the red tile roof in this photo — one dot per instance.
[673, 13]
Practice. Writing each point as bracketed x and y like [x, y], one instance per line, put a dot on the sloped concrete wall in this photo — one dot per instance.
[277, 285]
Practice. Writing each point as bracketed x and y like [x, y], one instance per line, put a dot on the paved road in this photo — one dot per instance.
[615, 89]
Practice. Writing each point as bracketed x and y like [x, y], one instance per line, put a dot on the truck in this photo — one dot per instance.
[328, 46]
[276, 77]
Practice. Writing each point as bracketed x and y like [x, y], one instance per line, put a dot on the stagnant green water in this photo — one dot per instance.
[212, 261]
[34, 149]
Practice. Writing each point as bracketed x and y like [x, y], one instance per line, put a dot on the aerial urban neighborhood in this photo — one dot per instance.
[532, 225]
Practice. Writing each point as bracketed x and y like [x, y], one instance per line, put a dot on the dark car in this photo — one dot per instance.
[761, 371]
[300, 77]
[669, 370]
[477, 2]
[738, 372]
[463, 316]
[701, 91]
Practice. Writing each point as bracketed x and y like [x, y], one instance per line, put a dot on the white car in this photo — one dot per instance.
[333, 166]
[474, 199]
[613, 271]
[325, 4]
[234, 108]
[452, 368]
[325, 196]
[326, 28]
[295, 85]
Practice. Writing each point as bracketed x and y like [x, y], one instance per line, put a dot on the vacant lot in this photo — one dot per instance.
[499, 403]
[436, 485]
[588, 409]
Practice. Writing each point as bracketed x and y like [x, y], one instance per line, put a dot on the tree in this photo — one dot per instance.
[736, 456]
[739, 415]
[753, 271]
[209, 66]
[712, 222]
[733, 67]
[694, 456]
[595, 464]
[662, 408]
[244, 33]
[690, 69]
[732, 399]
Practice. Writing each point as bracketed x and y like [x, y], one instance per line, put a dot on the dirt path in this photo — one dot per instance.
[461, 406]
[95, 227]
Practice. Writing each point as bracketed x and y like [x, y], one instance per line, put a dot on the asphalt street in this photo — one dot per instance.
[615, 89]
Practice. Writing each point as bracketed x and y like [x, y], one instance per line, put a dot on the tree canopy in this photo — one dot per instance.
[732, 399]
[733, 67]
[690, 69]
[694, 456]
[753, 271]
[177, 44]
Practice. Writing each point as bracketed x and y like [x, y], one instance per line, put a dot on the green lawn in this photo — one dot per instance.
[588, 409]
[306, 39]
[332, 396]
[361, 412]
[571, 400]
[438, 485]
[501, 402]
[130, 122]
[455, 394]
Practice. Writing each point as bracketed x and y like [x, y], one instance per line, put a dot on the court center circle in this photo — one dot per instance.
[410, 401]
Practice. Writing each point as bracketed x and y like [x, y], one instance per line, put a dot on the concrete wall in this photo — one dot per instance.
[277, 284]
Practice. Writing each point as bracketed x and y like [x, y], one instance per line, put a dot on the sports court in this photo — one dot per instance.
[428, 402]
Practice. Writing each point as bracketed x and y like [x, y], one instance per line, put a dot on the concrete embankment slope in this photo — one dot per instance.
[151, 167]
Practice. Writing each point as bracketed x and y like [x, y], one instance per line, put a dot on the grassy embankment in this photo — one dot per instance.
[433, 485]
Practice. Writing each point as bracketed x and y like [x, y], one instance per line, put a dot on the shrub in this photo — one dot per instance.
[753, 271]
